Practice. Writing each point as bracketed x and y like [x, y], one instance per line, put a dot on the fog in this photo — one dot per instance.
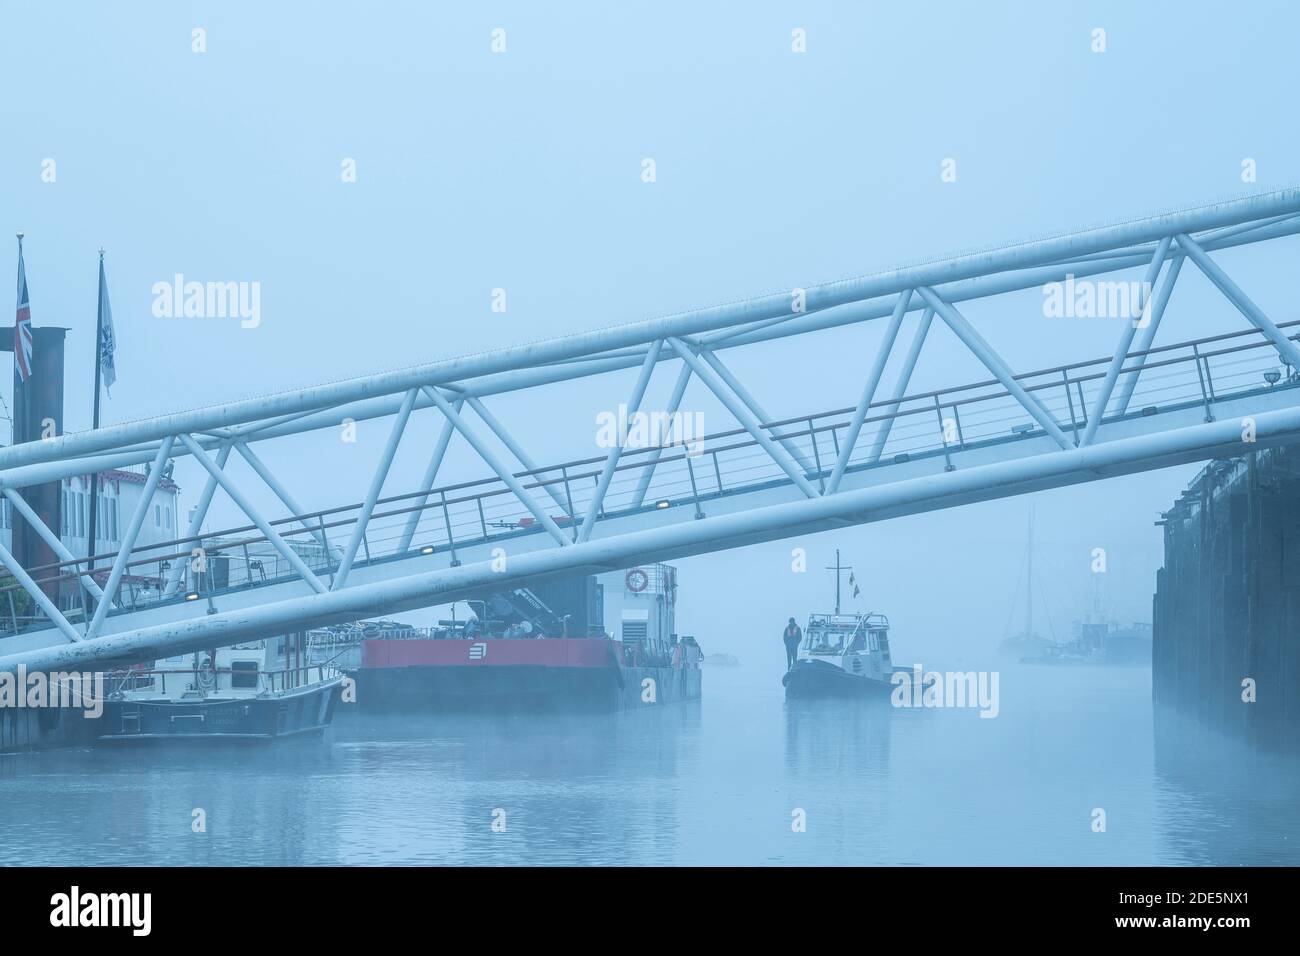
[522, 172]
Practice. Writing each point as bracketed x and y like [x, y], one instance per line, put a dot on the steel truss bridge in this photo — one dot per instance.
[894, 452]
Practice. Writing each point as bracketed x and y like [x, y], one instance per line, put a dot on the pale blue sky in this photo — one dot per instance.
[522, 171]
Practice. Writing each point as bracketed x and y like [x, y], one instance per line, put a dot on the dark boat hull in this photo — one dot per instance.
[308, 710]
[561, 674]
[523, 688]
[820, 679]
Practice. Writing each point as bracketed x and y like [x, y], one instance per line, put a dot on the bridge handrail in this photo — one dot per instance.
[436, 499]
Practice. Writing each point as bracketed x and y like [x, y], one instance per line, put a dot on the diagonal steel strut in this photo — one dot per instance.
[869, 391]
[1125, 342]
[743, 415]
[228, 485]
[495, 463]
[1287, 349]
[993, 362]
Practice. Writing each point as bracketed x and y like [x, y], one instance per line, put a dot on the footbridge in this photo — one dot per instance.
[653, 489]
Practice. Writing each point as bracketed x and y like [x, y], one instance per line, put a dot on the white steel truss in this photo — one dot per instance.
[811, 457]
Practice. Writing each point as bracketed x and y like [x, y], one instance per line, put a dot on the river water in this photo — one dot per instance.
[727, 780]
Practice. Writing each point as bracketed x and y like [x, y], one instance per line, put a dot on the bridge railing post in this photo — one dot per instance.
[1206, 396]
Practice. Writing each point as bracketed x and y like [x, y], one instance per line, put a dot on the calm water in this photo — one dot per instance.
[710, 783]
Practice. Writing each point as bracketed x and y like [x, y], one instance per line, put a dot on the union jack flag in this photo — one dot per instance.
[23, 325]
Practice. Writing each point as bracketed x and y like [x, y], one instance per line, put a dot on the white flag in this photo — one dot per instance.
[107, 338]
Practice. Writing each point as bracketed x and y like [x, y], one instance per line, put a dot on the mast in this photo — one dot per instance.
[1029, 576]
[839, 569]
[13, 419]
[837, 581]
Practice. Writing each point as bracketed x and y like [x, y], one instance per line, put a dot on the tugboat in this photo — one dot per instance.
[842, 654]
[224, 694]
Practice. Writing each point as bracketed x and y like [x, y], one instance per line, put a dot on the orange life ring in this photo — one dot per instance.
[636, 580]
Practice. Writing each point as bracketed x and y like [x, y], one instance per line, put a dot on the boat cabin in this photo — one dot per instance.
[859, 643]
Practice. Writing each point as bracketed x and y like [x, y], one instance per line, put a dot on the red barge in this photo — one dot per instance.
[519, 652]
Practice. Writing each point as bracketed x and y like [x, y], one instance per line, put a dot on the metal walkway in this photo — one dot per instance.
[1141, 407]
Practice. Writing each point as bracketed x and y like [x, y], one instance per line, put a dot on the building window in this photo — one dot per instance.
[112, 514]
[157, 516]
[81, 514]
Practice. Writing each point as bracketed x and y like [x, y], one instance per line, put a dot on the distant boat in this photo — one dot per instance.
[721, 660]
[1098, 639]
[1100, 643]
[226, 695]
[1027, 643]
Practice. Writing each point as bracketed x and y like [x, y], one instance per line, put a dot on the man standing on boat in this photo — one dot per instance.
[793, 637]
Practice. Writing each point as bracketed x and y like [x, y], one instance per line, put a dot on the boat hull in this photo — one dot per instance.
[820, 679]
[561, 674]
[307, 710]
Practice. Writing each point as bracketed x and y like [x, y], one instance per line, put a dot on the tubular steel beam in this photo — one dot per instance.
[611, 460]
[364, 399]
[993, 362]
[495, 463]
[1287, 349]
[239, 498]
[821, 297]
[49, 537]
[742, 393]
[744, 416]
[516, 449]
[679, 539]
[44, 603]
[900, 387]
[372, 494]
[652, 460]
[869, 391]
[196, 518]
[280, 491]
[130, 537]
[1125, 342]
[1149, 333]
[426, 483]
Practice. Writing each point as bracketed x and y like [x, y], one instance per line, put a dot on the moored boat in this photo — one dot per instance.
[226, 694]
[518, 653]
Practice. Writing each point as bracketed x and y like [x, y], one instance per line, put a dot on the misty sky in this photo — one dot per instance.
[522, 171]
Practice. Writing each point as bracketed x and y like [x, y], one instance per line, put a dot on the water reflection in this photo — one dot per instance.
[714, 782]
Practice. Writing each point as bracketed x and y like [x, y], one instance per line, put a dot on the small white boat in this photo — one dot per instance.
[843, 654]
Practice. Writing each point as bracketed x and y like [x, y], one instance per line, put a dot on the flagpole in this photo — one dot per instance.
[94, 475]
[13, 419]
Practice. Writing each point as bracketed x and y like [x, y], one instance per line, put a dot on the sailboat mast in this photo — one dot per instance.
[1029, 577]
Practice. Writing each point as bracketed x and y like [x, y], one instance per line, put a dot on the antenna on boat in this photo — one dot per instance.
[838, 569]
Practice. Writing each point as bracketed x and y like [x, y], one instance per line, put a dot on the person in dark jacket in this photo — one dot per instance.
[793, 637]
